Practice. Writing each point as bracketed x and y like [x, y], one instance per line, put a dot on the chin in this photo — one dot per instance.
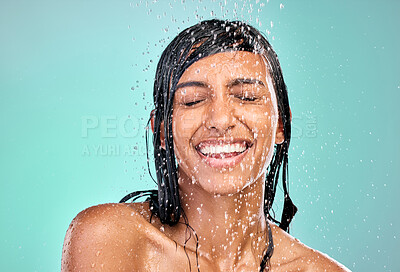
[226, 185]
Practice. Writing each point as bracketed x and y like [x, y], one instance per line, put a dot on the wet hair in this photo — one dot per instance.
[194, 43]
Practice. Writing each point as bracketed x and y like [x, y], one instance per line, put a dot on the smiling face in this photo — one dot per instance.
[224, 122]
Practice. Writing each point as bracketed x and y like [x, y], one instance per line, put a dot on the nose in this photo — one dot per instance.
[219, 116]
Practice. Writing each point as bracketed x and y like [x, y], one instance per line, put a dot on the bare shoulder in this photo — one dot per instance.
[292, 255]
[106, 236]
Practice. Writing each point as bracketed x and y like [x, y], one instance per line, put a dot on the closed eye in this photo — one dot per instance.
[189, 104]
[247, 90]
[246, 98]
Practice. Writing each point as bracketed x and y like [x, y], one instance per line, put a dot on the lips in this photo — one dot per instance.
[222, 153]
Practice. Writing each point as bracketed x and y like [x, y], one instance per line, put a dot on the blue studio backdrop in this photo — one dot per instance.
[76, 82]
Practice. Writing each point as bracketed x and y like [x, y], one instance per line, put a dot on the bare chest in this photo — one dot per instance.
[164, 257]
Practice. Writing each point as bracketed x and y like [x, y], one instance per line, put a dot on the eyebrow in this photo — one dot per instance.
[239, 81]
[192, 84]
[235, 82]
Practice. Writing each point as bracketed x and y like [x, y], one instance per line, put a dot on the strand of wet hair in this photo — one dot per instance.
[265, 263]
[137, 194]
[191, 230]
[146, 136]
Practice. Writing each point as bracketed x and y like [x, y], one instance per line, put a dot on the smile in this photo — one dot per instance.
[222, 154]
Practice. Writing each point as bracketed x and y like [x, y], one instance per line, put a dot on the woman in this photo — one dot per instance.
[221, 133]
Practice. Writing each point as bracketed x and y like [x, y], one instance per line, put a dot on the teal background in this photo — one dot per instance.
[77, 75]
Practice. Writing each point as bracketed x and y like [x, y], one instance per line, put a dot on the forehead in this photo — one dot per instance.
[227, 65]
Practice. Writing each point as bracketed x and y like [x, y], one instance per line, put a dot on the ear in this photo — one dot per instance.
[162, 135]
[280, 135]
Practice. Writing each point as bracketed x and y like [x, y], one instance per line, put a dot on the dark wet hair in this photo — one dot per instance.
[194, 43]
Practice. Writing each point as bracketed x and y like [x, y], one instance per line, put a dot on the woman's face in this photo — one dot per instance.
[224, 122]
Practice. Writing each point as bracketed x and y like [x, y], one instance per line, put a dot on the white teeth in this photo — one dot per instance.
[225, 148]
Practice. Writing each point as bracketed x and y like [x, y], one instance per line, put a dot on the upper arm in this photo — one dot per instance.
[100, 237]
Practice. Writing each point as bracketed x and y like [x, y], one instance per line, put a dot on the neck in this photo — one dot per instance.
[228, 226]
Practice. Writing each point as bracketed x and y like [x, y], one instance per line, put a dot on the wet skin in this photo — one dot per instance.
[224, 99]
[225, 125]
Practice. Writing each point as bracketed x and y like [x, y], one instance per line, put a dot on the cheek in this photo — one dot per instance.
[260, 121]
[263, 123]
[184, 126]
